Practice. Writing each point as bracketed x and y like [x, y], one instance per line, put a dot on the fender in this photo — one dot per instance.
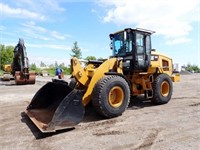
[121, 75]
[110, 64]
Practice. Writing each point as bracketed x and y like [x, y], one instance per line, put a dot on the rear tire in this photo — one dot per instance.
[162, 89]
[111, 96]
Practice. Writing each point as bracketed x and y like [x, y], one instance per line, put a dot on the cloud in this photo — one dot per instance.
[32, 25]
[2, 28]
[172, 18]
[31, 9]
[93, 11]
[178, 41]
[59, 36]
[36, 35]
[45, 7]
[50, 46]
[49, 60]
[52, 5]
[8, 11]
[39, 32]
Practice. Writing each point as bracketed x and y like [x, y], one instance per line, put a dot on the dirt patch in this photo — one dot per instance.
[149, 140]
[103, 132]
[196, 104]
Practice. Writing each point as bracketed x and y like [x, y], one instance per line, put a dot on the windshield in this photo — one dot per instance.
[118, 44]
[121, 45]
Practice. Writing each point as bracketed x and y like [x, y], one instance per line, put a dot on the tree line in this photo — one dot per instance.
[192, 68]
[6, 57]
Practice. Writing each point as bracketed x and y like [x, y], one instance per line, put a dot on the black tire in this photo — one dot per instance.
[72, 83]
[162, 89]
[111, 96]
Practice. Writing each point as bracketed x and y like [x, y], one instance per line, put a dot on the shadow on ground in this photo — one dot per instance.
[7, 82]
[139, 102]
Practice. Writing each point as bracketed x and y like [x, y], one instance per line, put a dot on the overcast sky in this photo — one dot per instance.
[50, 27]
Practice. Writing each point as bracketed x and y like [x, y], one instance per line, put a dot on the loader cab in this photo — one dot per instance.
[134, 47]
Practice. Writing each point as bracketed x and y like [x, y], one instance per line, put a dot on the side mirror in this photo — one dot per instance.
[125, 36]
[111, 46]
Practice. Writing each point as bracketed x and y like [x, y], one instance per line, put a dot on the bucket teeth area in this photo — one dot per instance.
[40, 117]
[56, 106]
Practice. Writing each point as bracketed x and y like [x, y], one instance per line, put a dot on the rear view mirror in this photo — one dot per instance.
[111, 46]
[125, 36]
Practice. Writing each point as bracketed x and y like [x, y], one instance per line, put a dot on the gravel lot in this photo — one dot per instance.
[174, 126]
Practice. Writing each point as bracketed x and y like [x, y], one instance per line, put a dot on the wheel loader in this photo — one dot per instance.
[7, 68]
[19, 69]
[133, 69]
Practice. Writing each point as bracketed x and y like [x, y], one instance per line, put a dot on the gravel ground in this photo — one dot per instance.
[173, 126]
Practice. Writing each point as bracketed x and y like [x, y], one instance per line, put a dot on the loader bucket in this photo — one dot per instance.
[56, 106]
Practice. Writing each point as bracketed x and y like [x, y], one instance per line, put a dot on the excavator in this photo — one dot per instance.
[19, 69]
[133, 69]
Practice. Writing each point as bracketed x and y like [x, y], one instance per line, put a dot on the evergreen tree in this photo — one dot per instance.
[90, 58]
[42, 64]
[76, 51]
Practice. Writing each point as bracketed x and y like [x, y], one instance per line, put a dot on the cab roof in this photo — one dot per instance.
[137, 30]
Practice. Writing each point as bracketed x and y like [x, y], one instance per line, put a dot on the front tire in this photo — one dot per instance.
[162, 89]
[111, 96]
[72, 83]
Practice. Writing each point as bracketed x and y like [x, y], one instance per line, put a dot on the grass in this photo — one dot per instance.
[51, 71]
[1, 72]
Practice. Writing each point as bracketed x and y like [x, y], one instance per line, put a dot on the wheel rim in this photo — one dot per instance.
[116, 96]
[165, 88]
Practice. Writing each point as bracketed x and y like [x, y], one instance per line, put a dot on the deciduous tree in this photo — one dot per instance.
[6, 55]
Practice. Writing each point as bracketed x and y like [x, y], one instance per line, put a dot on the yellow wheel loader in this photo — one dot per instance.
[7, 68]
[133, 69]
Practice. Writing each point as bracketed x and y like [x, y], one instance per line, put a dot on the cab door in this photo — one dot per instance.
[142, 51]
